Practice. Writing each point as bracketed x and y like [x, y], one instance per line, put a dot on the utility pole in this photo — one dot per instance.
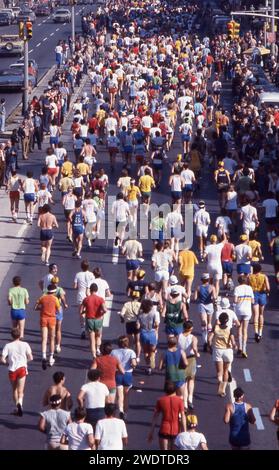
[73, 25]
[265, 23]
[273, 15]
[25, 89]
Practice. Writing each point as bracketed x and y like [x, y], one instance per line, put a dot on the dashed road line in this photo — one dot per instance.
[108, 313]
[40, 24]
[31, 50]
[51, 34]
[38, 45]
[247, 375]
[232, 386]
[45, 39]
[64, 24]
[57, 29]
[259, 422]
[21, 230]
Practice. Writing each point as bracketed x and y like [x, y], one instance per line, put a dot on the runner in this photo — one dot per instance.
[18, 299]
[78, 219]
[206, 297]
[59, 389]
[243, 300]
[202, 221]
[191, 439]
[239, 415]
[261, 289]
[46, 222]
[188, 343]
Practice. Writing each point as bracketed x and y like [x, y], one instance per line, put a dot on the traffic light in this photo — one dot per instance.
[21, 29]
[236, 30]
[29, 31]
[230, 27]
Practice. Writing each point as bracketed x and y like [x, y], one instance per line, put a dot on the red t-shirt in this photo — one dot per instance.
[227, 251]
[92, 304]
[107, 365]
[170, 407]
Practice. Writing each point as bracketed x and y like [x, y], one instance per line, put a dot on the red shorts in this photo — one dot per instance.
[146, 130]
[14, 195]
[52, 171]
[48, 322]
[17, 374]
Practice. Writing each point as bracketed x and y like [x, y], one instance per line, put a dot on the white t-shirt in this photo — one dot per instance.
[51, 161]
[249, 214]
[102, 287]
[231, 204]
[179, 288]
[188, 176]
[16, 352]
[214, 254]
[91, 208]
[223, 222]
[95, 394]
[242, 251]
[245, 297]
[121, 210]
[161, 260]
[230, 313]
[270, 206]
[46, 281]
[83, 281]
[110, 432]
[202, 218]
[189, 440]
[174, 220]
[76, 434]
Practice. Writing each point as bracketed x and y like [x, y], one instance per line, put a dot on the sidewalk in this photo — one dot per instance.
[13, 235]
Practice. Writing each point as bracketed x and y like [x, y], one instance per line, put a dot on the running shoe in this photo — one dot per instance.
[239, 352]
[89, 242]
[74, 253]
[190, 406]
[244, 355]
[229, 377]
[122, 415]
[83, 335]
[78, 256]
[98, 352]
[138, 360]
[44, 364]
[148, 371]
[51, 361]
[58, 349]
[19, 410]
[257, 337]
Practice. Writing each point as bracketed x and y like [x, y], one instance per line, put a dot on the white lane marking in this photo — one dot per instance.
[21, 230]
[45, 39]
[247, 375]
[232, 387]
[64, 24]
[108, 313]
[57, 29]
[40, 24]
[51, 34]
[22, 57]
[38, 45]
[77, 13]
[259, 422]
[30, 51]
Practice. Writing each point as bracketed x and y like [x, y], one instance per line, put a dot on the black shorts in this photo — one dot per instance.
[46, 235]
[67, 213]
[131, 328]
[166, 436]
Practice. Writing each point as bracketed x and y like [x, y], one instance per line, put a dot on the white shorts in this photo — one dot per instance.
[133, 203]
[201, 231]
[249, 227]
[161, 276]
[215, 273]
[207, 309]
[225, 355]
[244, 317]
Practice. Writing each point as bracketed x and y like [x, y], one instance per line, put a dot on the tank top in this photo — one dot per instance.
[222, 178]
[173, 313]
[14, 184]
[69, 202]
[77, 220]
[29, 186]
[204, 295]
[239, 426]
[258, 282]
[221, 338]
[172, 361]
[176, 183]
[185, 343]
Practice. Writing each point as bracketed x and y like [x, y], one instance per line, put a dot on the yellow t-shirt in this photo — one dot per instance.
[67, 167]
[255, 245]
[258, 282]
[133, 192]
[187, 260]
[83, 168]
[146, 183]
[65, 184]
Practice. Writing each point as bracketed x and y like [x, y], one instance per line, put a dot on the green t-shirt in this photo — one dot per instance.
[17, 296]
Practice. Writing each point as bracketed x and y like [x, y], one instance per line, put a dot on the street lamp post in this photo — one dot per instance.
[73, 27]
[25, 89]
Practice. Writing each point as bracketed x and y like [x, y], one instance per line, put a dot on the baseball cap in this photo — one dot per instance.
[192, 421]
[173, 280]
[225, 303]
[213, 238]
[243, 237]
[141, 273]
[205, 276]
[51, 289]
[174, 290]
[201, 204]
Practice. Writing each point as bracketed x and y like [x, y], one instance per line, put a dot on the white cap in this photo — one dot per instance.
[173, 280]
[225, 303]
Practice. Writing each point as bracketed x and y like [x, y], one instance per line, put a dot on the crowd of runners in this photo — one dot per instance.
[154, 81]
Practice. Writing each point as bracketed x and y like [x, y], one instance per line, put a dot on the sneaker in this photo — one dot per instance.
[78, 256]
[257, 337]
[83, 335]
[121, 415]
[58, 349]
[239, 352]
[148, 371]
[229, 377]
[44, 364]
[19, 410]
[138, 360]
[89, 242]
[74, 253]
[51, 361]
[190, 406]
[244, 355]
[98, 352]
[47, 263]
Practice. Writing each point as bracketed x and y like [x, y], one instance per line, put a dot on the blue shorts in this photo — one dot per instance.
[148, 337]
[59, 314]
[46, 235]
[132, 264]
[176, 195]
[174, 330]
[186, 138]
[18, 313]
[188, 188]
[77, 192]
[78, 231]
[243, 268]
[157, 166]
[227, 267]
[260, 298]
[29, 197]
[53, 140]
[179, 383]
[126, 380]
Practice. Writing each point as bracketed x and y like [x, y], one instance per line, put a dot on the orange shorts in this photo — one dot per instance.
[48, 322]
[17, 374]
[52, 171]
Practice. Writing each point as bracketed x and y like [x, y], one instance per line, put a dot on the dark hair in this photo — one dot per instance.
[97, 272]
[257, 268]
[223, 318]
[58, 377]
[110, 409]
[146, 305]
[93, 287]
[172, 341]
[106, 348]
[123, 341]
[51, 266]
[169, 387]
[79, 413]
[84, 265]
[238, 393]
[93, 375]
[16, 281]
[15, 333]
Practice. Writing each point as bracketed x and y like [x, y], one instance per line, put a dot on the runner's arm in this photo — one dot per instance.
[228, 412]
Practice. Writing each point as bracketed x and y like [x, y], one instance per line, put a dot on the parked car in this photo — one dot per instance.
[11, 80]
[26, 15]
[62, 16]
[32, 72]
[5, 19]
[42, 10]
[11, 44]
[10, 12]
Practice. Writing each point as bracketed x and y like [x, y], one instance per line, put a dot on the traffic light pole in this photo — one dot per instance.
[25, 90]
[73, 28]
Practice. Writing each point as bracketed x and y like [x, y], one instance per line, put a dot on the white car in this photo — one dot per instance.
[62, 16]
